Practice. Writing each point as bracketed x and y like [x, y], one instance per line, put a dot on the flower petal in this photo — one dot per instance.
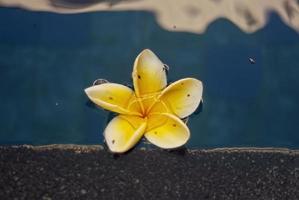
[166, 131]
[123, 132]
[181, 97]
[114, 97]
[149, 75]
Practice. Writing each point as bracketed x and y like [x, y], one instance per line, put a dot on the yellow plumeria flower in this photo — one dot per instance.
[152, 110]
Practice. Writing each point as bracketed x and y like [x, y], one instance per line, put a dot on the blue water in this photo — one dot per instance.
[47, 59]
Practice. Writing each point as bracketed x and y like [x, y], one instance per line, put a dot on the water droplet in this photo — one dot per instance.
[100, 81]
[166, 67]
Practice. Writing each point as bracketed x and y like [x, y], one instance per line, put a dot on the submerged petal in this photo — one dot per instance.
[166, 131]
[181, 97]
[123, 132]
[149, 75]
[114, 97]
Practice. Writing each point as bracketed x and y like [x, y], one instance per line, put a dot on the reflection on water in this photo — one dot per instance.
[191, 16]
[48, 59]
[79, 4]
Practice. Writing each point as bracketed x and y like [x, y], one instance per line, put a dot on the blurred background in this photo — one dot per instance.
[246, 54]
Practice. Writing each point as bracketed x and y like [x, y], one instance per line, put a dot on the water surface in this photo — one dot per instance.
[47, 59]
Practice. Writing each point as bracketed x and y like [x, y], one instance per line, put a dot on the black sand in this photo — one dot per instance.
[89, 172]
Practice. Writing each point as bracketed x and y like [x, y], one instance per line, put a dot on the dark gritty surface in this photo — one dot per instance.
[89, 172]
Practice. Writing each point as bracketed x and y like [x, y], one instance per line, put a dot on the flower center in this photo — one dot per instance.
[148, 104]
[153, 105]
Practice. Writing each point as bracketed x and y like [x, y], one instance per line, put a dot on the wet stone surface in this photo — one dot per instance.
[89, 172]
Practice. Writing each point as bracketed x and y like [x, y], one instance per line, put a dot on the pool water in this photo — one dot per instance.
[48, 59]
